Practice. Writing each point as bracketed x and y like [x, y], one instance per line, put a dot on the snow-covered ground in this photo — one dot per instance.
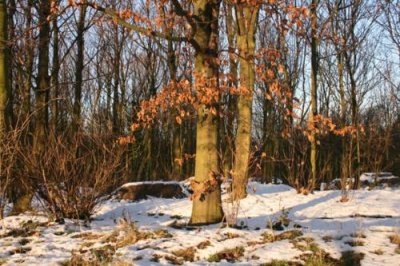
[319, 225]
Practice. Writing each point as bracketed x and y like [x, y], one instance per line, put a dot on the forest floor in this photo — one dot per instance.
[277, 226]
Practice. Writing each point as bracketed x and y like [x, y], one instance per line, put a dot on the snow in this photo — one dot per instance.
[370, 177]
[370, 217]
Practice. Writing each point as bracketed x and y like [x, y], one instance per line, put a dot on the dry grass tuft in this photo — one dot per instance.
[355, 243]
[204, 244]
[231, 255]
[377, 252]
[291, 234]
[186, 254]
[395, 239]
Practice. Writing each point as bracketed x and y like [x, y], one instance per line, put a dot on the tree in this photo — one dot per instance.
[246, 15]
[207, 207]
[314, 76]
[42, 88]
[79, 65]
[4, 88]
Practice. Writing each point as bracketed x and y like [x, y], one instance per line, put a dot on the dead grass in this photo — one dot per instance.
[377, 252]
[327, 238]
[306, 244]
[291, 234]
[231, 255]
[355, 243]
[88, 236]
[23, 241]
[358, 234]
[125, 234]
[351, 258]
[121, 263]
[280, 263]
[27, 229]
[395, 239]
[187, 254]
[97, 256]
[204, 244]
[20, 250]
[230, 235]
[174, 260]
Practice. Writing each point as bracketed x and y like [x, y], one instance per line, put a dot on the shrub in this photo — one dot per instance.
[73, 174]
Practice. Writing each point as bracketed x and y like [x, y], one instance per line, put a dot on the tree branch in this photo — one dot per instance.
[136, 28]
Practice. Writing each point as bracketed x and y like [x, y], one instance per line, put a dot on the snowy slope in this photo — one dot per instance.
[364, 224]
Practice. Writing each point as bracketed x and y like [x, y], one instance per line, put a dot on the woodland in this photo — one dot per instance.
[98, 93]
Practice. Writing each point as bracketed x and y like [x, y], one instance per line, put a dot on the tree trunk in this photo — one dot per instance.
[314, 111]
[79, 65]
[4, 90]
[354, 122]
[43, 82]
[227, 125]
[116, 102]
[54, 77]
[245, 41]
[344, 160]
[176, 129]
[29, 65]
[206, 209]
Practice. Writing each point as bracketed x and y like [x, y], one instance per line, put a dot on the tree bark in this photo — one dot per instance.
[314, 75]
[208, 208]
[4, 86]
[43, 80]
[79, 65]
[245, 40]
[54, 77]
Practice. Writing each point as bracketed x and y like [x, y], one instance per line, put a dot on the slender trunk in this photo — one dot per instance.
[268, 143]
[29, 64]
[54, 76]
[43, 82]
[354, 123]
[344, 165]
[4, 90]
[79, 65]
[207, 208]
[314, 75]
[116, 101]
[227, 124]
[245, 41]
[176, 129]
